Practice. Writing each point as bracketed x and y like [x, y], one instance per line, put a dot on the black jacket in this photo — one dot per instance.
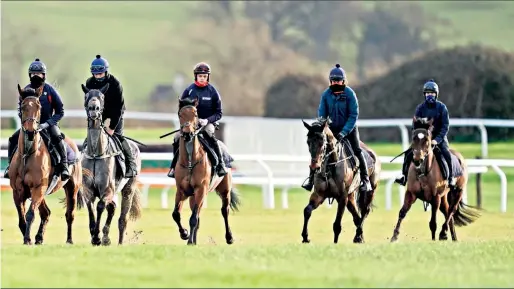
[114, 106]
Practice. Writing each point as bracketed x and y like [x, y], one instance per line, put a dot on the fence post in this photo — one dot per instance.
[479, 187]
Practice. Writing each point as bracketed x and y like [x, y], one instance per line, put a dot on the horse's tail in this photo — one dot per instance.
[136, 207]
[80, 200]
[235, 200]
[466, 215]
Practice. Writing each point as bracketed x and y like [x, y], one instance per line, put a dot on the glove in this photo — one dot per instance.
[434, 142]
[340, 137]
[202, 122]
[43, 126]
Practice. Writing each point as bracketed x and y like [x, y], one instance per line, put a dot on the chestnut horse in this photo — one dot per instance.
[336, 178]
[31, 171]
[425, 182]
[195, 177]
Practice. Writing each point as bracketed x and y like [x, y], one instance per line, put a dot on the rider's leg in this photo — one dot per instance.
[58, 142]
[445, 151]
[407, 159]
[353, 138]
[310, 182]
[176, 139]
[11, 147]
[209, 131]
[130, 161]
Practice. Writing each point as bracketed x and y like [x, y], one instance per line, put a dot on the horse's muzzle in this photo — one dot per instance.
[314, 164]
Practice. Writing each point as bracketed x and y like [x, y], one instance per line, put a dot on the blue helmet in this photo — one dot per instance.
[99, 65]
[337, 73]
[431, 86]
[37, 67]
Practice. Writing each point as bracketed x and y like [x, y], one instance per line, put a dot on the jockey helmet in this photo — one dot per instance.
[99, 65]
[337, 74]
[37, 67]
[431, 86]
[202, 68]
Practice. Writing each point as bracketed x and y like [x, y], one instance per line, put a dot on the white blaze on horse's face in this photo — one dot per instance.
[421, 136]
[94, 108]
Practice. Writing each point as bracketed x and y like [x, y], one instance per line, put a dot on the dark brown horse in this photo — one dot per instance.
[195, 178]
[31, 171]
[425, 182]
[338, 179]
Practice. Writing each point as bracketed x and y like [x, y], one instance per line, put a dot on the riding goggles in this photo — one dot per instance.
[36, 68]
[98, 68]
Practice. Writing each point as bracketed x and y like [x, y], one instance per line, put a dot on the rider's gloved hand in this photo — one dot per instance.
[202, 122]
[340, 137]
[43, 126]
[434, 142]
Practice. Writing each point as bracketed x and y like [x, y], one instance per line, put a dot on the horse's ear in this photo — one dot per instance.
[84, 88]
[19, 90]
[104, 88]
[306, 125]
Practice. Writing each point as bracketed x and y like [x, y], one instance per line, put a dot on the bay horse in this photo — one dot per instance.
[336, 177]
[195, 177]
[103, 177]
[425, 182]
[31, 171]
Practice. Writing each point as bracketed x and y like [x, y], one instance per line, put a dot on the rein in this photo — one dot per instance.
[189, 145]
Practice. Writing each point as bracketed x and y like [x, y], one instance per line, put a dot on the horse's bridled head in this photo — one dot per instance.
[30, 113]
[94, 108]
[421, 139]
[188, 118]
[316, 142]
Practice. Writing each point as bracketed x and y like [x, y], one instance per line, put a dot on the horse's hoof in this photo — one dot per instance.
[443, 238]
[106, 241]
[306, 241]
[189, 243]
[27, 242]
[184, 235]
[358, 240]
[229, 240]
[394, 239]
[39, 242]
[96, 242]
[69, 242]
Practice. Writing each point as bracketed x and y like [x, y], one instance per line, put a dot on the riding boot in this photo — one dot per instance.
[221, 163]
[363, 165]
[171, 173]
[451, 179]
[130, 162]
[310, 182]
[65, 173]
[10, 152]
[402, 180]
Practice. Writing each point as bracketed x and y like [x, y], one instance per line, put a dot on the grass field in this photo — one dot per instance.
[135, 31]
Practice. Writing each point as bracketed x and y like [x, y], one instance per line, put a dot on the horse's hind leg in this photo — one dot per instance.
[180, 197]
[224, 189]
[91, 213]
[111, 208]
[436, 203]
[44, 213]
[357, 219]
[409, 199]
[314, 202]
[444, 208]
[341, 205]
[126, 201]
[71, 190]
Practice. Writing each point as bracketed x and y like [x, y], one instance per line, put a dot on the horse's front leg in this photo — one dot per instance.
[111, 208]
[357, 219]
[180, 197]
[44, 214]
[314, 202]
[19, 202]
[341, 205]
[435, 204]
[37, 197]
[409, 199]
[196, 204]
[443, 235]
[100, 207]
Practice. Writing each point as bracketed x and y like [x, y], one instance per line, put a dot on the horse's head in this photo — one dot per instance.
[94, 100]
[30, 111]
[188, 117]
[421, 145]
[317, 140]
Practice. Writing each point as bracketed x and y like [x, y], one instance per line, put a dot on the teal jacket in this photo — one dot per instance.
[342, 108]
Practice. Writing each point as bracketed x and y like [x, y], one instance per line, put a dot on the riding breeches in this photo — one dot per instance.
[445, 151]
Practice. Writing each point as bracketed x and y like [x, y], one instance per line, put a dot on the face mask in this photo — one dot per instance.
[36, 81]
[101, 79]
[430, 99]
[336, 88]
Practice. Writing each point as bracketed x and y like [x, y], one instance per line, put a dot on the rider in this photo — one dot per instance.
[209, 111]
[434, 109]
[114, 107]
[52, 111]
[339, 102]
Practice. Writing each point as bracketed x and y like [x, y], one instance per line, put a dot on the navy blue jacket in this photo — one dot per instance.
[439, 113]
[342, 108]
[209, 101]
[52, 109]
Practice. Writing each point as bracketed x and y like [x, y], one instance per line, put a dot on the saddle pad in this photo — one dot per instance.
[345, 150]
[456, 167]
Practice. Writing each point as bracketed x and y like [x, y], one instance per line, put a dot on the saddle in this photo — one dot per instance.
[212, 154]
[54, 155]
[456, 167]
[345, 151]
[114, 148]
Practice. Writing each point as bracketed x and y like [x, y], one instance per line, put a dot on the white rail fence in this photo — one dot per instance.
[287, 179]
[265, 135]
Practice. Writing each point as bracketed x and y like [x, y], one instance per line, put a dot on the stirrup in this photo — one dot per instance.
[221, 170]
[308, 185]
[171, 173]
[6, 173]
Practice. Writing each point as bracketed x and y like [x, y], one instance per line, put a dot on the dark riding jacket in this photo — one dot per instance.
[343, 109]
[209, 101]
[52, 108]
[439, 113]
[114, 106]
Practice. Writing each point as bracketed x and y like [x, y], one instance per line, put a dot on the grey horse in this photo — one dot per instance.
[101, 175]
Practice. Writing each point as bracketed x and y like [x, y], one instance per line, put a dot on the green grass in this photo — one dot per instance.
[132, 35]
[267, 250]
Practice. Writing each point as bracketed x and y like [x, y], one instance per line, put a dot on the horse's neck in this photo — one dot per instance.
[97, 139]
[331, 149]
[197, 150]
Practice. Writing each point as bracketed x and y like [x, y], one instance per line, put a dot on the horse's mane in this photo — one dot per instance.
[318, 127]
[29, 91]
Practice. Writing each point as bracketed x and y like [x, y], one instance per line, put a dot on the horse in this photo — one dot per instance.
[195, 176]
[103, 175]
[425, 182]
[31, 171]
[336, 177]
